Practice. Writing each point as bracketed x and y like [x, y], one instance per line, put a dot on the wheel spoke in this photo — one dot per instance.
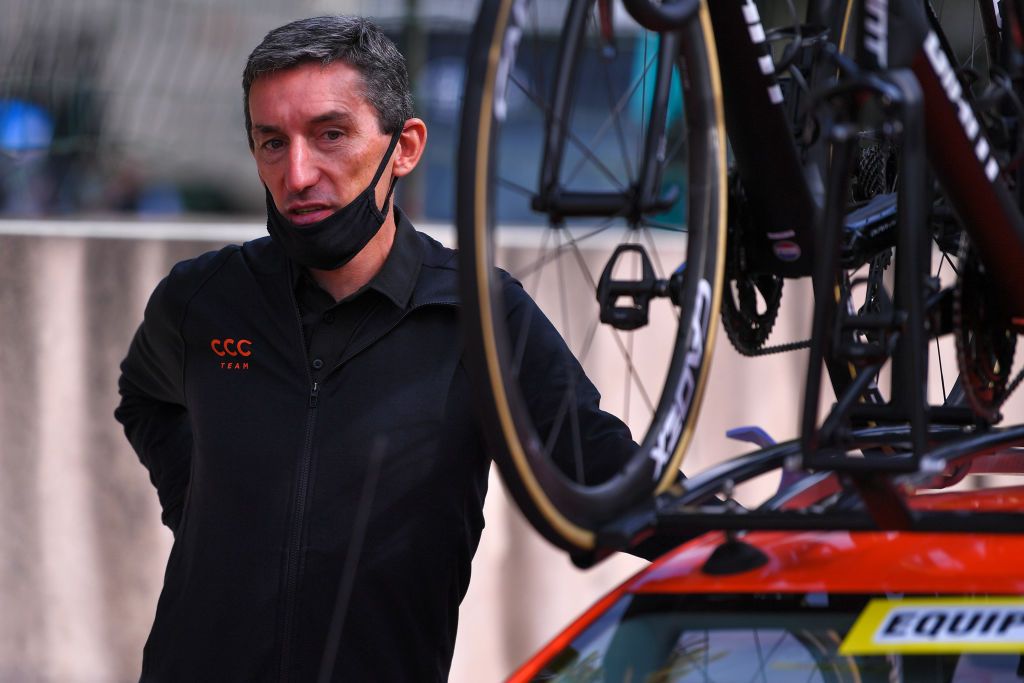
[614, 116]
[661, 225]
[620, 134]
[572, 137]
[520, 341]
[760, 660]
[628, 359]
[643, 108]
[565, 409]
[676, 146]
[942, 374]
[707, 656]
[627, 383]
[588, 341]
[543, 261]
[577, 440]
[562, 295]
[659, 269]
[538, 58]
[516, 187]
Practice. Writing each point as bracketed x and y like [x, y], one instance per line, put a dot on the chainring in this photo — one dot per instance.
[750, 305]
[985, 339]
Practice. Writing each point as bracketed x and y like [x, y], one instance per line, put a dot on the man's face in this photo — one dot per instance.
[317, 140]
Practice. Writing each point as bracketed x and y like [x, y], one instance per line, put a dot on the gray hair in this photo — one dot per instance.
[355, 41]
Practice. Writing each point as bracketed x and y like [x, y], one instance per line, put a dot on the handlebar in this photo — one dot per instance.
[662, 18]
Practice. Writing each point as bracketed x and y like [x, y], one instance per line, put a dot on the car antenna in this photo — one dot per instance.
[735, 555]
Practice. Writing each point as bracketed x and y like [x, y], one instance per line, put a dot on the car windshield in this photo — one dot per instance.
[772, 638]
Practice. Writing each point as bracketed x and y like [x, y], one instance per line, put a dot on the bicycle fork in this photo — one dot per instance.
[643, 197]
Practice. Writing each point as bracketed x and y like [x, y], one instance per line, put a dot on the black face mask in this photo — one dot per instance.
[334, 241]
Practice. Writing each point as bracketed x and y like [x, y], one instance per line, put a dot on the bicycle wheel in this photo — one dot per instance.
[577, 228]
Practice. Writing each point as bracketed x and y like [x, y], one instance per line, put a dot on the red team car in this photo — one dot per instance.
[830, 604]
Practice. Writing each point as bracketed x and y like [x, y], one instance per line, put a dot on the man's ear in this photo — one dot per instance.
[410, 147]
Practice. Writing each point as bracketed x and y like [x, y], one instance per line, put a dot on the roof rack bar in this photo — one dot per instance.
[689, 522]
[985, 443]
[876, 498]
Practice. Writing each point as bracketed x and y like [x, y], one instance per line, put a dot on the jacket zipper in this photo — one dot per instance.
[295, 535]
[293, 549]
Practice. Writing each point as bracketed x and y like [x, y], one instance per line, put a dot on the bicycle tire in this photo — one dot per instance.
[567, 512]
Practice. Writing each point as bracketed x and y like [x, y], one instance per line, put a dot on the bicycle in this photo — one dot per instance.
[790, 190]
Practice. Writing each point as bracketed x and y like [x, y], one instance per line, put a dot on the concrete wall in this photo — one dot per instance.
[82, 550]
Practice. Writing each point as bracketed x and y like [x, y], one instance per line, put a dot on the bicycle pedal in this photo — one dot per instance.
[638, 291]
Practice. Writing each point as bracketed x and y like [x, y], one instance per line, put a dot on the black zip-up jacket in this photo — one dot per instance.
[260, 471]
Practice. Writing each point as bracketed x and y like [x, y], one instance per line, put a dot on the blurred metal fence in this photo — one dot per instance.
[135, 105]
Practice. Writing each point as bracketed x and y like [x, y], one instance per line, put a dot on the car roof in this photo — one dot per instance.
[859, 561]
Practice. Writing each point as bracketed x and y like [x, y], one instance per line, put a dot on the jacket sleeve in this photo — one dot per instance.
[152, 408]
[553, 381]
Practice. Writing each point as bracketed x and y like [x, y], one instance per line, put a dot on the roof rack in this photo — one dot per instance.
[867, 497]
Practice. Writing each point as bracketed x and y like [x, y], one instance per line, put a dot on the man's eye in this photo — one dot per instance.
[272, 144]
[333, 135]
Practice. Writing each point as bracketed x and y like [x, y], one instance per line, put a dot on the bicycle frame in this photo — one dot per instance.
[559, 203]
[783, 191]
[957, 146]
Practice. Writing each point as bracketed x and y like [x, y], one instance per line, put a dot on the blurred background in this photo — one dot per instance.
[132, 107]
[122, 151]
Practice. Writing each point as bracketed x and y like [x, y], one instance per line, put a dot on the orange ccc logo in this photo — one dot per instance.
[231, 347]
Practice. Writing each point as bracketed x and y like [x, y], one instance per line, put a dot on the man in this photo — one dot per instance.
[300, 401]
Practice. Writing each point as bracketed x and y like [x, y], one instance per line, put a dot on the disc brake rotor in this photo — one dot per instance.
[985, 340]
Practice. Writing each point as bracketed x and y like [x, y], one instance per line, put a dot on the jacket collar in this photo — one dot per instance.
[426, 270]
[396, 278]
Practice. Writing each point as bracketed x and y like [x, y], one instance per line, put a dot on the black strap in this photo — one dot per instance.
[387, 156]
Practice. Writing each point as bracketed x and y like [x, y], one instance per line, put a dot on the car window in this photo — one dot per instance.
[781, 638]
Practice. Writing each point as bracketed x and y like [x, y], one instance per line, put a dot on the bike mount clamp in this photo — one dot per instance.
[640, 291]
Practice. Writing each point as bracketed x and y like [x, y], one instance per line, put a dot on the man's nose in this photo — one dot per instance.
[302, 172]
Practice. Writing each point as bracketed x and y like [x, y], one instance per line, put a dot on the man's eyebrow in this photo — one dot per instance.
[334, 115]
[265, 128]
